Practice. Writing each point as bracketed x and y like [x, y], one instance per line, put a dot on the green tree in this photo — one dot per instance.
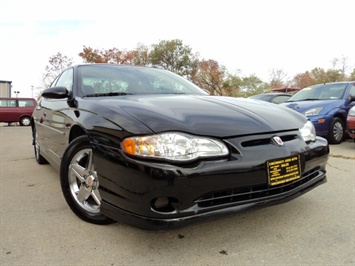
[333, 75]
[321, 76]
[352, 75]
[141, 55]
[172, 55]
[252, 85]
[245, 86]
[232, 85]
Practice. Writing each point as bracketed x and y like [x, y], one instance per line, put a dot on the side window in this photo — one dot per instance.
[66, 79]
[3, 103]
[54, 82]
[352, 91]
[280, 99]
[7, 103]
[25, 103]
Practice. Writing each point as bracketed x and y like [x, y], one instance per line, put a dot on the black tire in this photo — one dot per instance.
[336, 131]
[25, 121]
[79, 182]
[39, 158]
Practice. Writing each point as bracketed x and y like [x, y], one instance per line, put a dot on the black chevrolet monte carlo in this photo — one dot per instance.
[146, 147]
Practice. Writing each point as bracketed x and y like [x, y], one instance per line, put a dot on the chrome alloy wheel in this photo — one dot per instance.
[338, 131]
[25, 121]
[83, 181]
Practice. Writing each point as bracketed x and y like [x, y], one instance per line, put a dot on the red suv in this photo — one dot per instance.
[17, 110]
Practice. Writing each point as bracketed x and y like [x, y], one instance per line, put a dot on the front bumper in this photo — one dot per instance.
[154, 195]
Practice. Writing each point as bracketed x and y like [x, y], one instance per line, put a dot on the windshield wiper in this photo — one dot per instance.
[310, 99]
[175, 93]
[307, 99]
[108, 94]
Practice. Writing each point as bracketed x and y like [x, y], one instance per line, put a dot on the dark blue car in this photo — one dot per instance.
[327, 106]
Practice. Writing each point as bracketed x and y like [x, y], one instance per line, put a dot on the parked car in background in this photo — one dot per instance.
[17, 110]
[146, 147]
[350, 121]
[272, 97]
[327, 106]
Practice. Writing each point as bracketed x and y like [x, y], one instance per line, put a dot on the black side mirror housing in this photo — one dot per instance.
[56, 93]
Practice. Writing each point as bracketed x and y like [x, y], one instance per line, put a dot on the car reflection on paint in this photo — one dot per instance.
[148, 148]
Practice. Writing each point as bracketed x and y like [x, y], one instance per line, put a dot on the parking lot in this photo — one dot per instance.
[38, 228]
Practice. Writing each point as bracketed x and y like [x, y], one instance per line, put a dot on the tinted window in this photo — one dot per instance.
[8, 103]
[25, 103]
[330, 91]
[352, 91]
[133, 80]
[66, 79]
[280, 99]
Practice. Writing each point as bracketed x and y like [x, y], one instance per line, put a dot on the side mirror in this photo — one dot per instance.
[56, 93]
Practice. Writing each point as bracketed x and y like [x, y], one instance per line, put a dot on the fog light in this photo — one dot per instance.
[164, 204]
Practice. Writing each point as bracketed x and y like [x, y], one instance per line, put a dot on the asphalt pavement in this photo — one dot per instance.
[38, 228]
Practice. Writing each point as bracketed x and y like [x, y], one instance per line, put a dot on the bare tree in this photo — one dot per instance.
[57, 63]
[277, 78]
[341, 64]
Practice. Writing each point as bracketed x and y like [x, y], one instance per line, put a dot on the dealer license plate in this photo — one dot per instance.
[285, 170]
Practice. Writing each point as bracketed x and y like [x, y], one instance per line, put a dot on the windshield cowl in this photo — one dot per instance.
[108, 94]
[306, 99]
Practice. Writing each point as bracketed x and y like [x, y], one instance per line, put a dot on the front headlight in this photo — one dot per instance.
[313, 111]
[174, 146]
[308, 132]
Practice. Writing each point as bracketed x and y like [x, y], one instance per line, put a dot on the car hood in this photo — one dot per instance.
[202, 115]
[302, 106]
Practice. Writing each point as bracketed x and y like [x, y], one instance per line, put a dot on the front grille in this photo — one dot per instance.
[266, 141]
[250, 194]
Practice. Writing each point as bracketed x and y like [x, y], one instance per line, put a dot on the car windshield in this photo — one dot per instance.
[320, 92]
[114, 80]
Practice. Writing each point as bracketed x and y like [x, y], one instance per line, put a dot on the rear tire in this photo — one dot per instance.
[336, 131]
[80, 183]
[25, 121]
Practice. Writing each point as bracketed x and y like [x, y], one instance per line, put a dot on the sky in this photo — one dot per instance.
[246, 36]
